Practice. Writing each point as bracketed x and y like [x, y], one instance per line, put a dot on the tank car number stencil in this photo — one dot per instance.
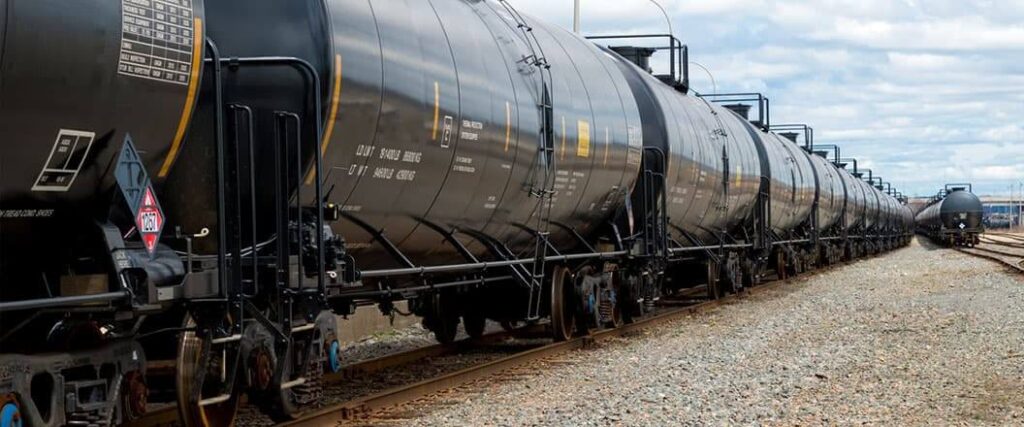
[157, 40]
[65, 161]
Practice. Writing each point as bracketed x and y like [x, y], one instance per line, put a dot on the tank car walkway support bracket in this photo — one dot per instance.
[449, 236]
[502, 252]
[764, 120]
[380, 237]
[699, 245]
[575, 234]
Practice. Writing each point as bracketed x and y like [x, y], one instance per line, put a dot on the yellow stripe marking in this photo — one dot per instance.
[190, 98]
[508, 124]
[582, 138]
[331, 117]
[437, 109]
[561, 154]
[607, 142]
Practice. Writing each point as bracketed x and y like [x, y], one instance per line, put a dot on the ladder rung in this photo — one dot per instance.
[303, 328]
[224, 340]
[215, 400]
[296, 382]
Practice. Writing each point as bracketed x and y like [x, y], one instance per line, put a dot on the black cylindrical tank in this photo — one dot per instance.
[431, 120]
[75, 79]
[831, 193]
[872, 209]
[959, 207]
[853, 211]
[793, 184]
[713, 167]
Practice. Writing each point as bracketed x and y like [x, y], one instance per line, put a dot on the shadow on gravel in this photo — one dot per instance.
[928, 244]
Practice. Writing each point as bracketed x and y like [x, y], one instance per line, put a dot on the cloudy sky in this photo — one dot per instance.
[924, 92]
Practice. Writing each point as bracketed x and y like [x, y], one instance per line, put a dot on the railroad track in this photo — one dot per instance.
[1009, 253]
[1011, 236]
[167, 415]
[365, 406]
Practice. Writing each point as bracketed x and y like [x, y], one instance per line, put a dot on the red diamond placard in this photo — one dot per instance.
[149, 220]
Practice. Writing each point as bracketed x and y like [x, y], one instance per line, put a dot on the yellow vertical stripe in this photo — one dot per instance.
[190, 98]
[561, 154]
[332, 116]
[582, 138]
[607, 142]
[437, 109]
[508, 124]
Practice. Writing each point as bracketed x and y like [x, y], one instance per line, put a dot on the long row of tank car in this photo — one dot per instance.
[190, 193]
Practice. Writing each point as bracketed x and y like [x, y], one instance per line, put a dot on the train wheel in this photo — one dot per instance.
[589, 301]
[134, 396]
[796, 267]
[714, 274]
[443, 319]
[563, 313]
[475, 324]
[733, 274]
[753, 272]
[780, 265]
[301, 384]
[196, 364]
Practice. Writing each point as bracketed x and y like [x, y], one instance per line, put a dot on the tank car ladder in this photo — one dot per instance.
[543, 183]
[239, 266]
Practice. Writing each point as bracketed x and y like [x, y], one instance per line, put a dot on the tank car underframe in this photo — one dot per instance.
[967, 237]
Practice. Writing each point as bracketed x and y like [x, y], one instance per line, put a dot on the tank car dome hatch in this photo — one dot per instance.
[743, 110]
[641, 56]
[789, 135]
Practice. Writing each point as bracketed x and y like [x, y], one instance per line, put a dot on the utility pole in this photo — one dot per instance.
[576, 16]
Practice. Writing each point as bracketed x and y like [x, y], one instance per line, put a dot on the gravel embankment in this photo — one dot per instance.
[921, 336]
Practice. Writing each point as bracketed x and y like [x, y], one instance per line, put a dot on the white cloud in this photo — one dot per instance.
[926, 92]
[966, 33]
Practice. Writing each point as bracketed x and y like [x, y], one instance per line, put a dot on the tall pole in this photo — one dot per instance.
[576, 16]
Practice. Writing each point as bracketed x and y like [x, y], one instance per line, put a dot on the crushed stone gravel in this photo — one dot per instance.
[919, 336]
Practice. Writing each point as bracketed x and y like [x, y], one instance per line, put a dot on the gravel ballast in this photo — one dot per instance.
[919, 336]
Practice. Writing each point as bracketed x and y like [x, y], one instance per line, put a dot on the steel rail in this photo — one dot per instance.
[365, 406]
[168, 415]
[1015, 261]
